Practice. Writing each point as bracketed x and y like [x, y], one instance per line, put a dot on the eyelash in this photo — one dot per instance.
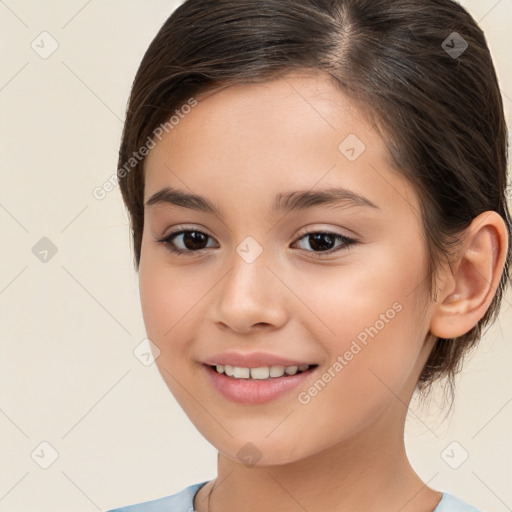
[167, 242]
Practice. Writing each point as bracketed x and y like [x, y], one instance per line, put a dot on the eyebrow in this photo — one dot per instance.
[290, 201]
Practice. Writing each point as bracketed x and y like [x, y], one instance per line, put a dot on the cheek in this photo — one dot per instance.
[348, 298]
[373, 364]
[168, 296]
[369, 314]
[169, 300]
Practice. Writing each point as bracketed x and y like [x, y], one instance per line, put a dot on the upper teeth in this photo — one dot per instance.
[259, 373]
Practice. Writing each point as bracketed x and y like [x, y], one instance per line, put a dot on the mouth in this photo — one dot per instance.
[258, 385]
[262, 372]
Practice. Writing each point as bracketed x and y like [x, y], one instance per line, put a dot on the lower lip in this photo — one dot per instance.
[255, 391]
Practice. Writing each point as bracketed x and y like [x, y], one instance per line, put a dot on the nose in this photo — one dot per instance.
[251, 296]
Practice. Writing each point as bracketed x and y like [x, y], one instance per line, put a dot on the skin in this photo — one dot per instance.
[344, 450]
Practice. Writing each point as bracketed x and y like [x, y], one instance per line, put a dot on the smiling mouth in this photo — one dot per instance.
[261, 373]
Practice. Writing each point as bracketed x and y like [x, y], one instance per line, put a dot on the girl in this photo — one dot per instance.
[317, 194]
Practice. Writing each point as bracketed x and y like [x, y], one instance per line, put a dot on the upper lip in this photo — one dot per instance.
[253, 360]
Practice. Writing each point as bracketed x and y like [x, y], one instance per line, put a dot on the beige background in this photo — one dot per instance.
[70, 324]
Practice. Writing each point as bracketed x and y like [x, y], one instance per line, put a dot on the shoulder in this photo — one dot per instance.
[450, 503]
[182, 501]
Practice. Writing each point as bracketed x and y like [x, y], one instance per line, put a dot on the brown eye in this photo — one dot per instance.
[324, 242]
[194, 240]
[191, 240]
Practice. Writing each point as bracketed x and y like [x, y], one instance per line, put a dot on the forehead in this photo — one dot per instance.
[295, 132]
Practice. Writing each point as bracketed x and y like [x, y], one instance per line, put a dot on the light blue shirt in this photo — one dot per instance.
[183, 501]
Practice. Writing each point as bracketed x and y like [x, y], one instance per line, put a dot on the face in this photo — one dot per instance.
[337, 285]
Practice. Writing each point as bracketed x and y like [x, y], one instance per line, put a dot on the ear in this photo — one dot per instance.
[466, 290]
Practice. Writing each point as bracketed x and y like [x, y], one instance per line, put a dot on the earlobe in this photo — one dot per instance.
[468, 287]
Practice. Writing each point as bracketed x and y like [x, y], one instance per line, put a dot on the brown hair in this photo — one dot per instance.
[439, 111]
